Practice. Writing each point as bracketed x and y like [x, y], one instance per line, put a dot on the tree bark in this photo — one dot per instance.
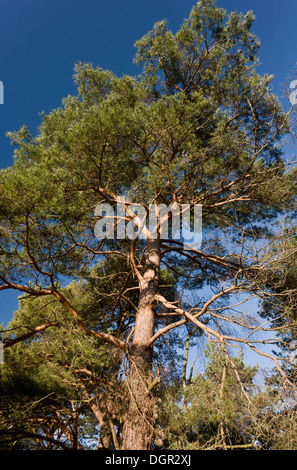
[138, 425]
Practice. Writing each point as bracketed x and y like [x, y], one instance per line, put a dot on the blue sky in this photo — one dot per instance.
[41, 40]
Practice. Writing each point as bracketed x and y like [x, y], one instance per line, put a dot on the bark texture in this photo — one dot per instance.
[138, 426]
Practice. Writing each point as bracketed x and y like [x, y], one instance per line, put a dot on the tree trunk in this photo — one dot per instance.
[138, 426]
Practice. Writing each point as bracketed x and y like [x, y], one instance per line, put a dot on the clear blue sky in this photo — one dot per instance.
[41, 40]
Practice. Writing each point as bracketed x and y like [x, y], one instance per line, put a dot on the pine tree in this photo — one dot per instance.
[197, 128]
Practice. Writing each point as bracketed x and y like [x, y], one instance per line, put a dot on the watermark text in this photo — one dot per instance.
[181, 222]
[293, 95]
[1, 93]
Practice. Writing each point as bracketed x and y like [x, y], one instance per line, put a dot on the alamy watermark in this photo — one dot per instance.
[181, 222]
[1, 93]
[293, 95]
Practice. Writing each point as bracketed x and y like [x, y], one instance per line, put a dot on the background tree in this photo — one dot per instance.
[225, 408]
[199, 126]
